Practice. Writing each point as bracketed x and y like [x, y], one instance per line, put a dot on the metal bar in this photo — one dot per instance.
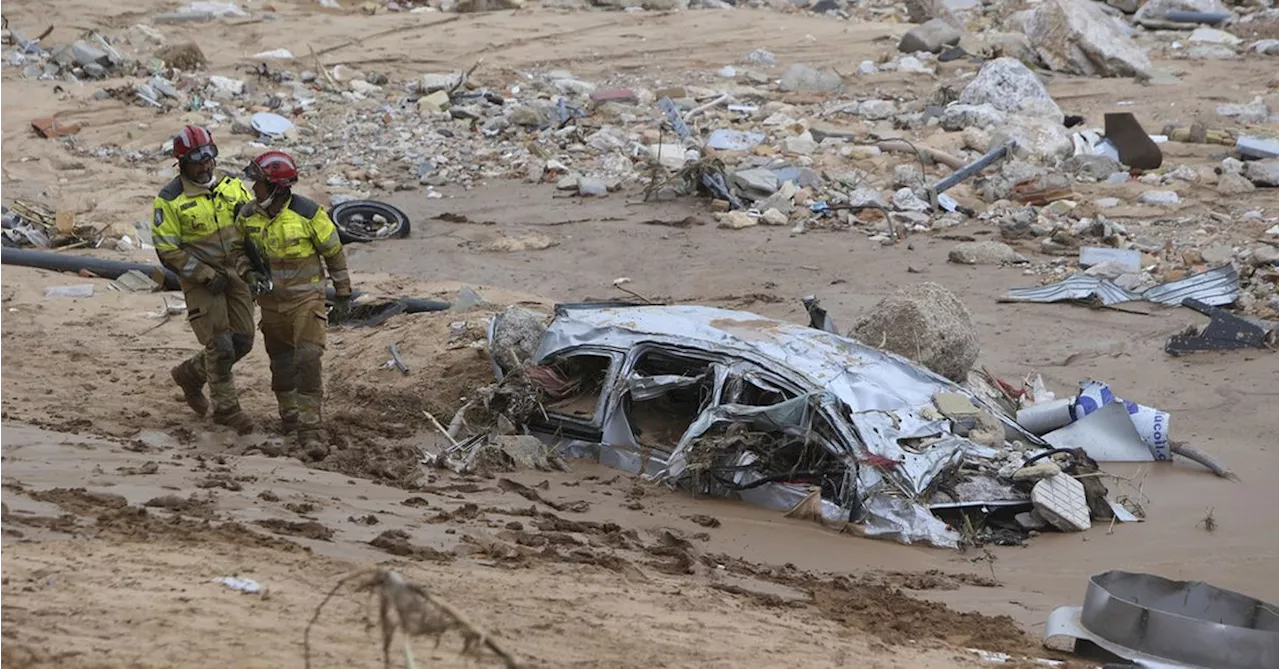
[971, 169]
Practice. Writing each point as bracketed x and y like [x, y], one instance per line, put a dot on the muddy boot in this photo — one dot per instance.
[288, 404]
[192, 385]
[236, 420]
[311, 445]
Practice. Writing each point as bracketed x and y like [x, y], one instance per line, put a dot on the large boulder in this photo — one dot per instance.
[517, 333]
[1007, 85]
[1076, 37]
[925, 323]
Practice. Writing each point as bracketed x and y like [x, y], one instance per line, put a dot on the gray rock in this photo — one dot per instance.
[1155, 10]
[761, 57]
[430, 83]
[984, 253]
[931, 36]
[911, 219]
[821, 131]
[1092, 167]
[1076, 37]
[925, 323]
[1234, 184]
[1159, 197]
[592, 187]
[1266, 47]
[1206, 35]
[1264, 254]
[922, 11]
[1210, 52]
[1008, 86]
[867, 197]
[958, 117]
[803, 145]
[1264, 173]
[516, 335]
[905, 200]
[1107, 202]
[1253, 113]
[756, 181]
[804, 79]
[1232, 165]
[1218, 255]
[877, 110]
[84, 54]
[907, 176]
[1035, 139]
[528, 116]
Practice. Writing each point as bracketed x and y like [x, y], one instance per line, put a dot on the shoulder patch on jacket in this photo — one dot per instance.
[304, 207]
[171, 190]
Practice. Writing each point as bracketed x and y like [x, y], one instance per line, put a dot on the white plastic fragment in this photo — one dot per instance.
[1060, 500]
[245, 585]
[270, 124]
[275, 54]
[79, 290]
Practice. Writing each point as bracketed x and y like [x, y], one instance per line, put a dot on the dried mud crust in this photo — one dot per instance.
[113, 518]
[446, 364]
[873, 604]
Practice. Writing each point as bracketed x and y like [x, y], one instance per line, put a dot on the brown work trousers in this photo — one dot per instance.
[223, 324]
[294, 334]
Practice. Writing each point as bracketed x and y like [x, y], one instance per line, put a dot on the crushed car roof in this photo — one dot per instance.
[864, 378]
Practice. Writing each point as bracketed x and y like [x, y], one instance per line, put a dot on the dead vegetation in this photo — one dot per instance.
[415, 612]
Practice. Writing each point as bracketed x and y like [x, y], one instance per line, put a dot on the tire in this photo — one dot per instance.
[347, 217]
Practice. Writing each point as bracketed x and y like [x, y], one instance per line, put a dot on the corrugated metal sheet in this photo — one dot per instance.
[1217, 287]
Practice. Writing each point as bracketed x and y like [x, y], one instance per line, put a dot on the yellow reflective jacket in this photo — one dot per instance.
[294, 242]
[194, 231]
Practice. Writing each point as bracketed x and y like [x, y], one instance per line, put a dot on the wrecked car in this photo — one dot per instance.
[731, 403]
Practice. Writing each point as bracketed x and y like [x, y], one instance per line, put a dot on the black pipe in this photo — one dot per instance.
[107, 269]
[113, 269]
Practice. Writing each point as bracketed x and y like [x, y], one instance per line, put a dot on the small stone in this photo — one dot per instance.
[1264, 254]
[761, 57]
[932, 36]
[592, 187]
[1264, 173]
[728, 72]
[804, 79]
[1097, 168]
[774, 217]
[1206, 35]
[735, 220]
[1159, 197]
[363, 87]
[877, 110]
[1107, 202]
[984, 253]
[867, 197]
[959, 116]
[905, 200]
[1031, 521]
[1253, 113]
[757, 180]
[867, 67]
[434, 103]
[1234, 184]
[620, 95]
[1219, 254]
[803, 145]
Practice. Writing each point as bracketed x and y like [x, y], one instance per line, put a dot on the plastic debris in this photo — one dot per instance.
[80, 290]
[245, 585]
[1224, 332]
[272, 125]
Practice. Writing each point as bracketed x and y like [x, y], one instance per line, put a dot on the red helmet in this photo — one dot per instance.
[274, 167]
[194, 144]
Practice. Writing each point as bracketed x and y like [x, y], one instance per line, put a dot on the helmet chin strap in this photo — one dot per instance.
[271, 197]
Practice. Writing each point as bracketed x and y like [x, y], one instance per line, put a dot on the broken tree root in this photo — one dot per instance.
[411, 609]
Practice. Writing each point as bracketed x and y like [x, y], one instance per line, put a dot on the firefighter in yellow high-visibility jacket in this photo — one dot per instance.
[299, 243]
[195, 235]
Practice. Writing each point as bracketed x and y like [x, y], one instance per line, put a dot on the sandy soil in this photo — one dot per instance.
[87, 405]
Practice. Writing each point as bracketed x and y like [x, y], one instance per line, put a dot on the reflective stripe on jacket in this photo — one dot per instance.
[294, 242]
[194, 231]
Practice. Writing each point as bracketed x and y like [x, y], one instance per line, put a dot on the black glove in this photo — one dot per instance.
[341, 309]
[217, 283]
[257, 282]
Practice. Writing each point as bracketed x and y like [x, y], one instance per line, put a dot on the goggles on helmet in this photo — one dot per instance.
[202, 154]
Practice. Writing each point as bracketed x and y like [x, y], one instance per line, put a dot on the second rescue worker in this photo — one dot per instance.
[299, 242]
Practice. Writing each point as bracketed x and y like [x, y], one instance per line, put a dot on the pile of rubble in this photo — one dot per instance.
[770, 143]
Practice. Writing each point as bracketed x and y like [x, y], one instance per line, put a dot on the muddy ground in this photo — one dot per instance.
[120, 508]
